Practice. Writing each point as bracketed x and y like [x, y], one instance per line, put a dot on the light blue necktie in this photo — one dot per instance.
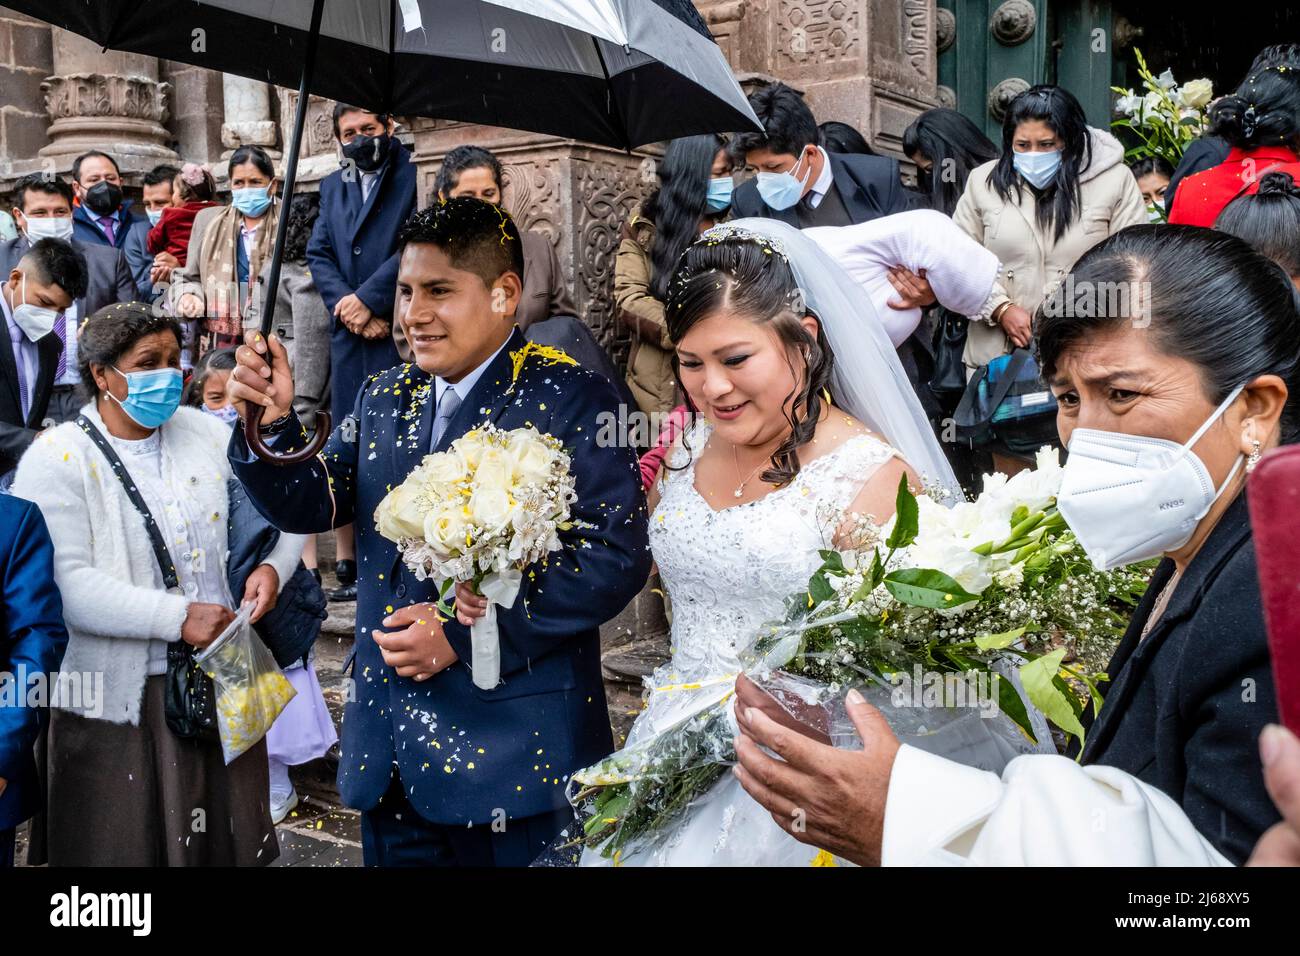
[447, 406]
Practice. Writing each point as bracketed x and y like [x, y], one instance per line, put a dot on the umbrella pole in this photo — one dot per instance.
[252, 427]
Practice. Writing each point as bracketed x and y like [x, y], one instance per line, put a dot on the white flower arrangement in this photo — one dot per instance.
[482, 511]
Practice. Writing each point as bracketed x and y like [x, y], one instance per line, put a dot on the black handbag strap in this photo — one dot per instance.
[165, 564]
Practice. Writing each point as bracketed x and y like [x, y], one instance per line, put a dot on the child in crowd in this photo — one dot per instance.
[195, 189]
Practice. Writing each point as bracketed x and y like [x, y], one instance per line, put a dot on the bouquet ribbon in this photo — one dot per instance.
[499, 587]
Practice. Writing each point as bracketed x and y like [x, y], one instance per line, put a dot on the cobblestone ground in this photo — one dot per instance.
[322, 832]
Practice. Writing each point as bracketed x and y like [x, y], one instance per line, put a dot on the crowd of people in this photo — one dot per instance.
[136, 521]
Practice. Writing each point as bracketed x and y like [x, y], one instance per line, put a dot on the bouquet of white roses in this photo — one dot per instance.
[1166, 118]
[974, 592]
[482, 511]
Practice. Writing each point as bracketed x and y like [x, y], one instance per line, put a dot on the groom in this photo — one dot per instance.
[446, 773]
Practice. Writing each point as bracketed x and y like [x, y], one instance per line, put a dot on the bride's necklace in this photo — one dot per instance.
[740, 488]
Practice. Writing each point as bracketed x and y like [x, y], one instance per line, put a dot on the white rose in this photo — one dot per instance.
[397, 515]
[471, 446]
[493, 470]
[530, 458]
[445, 529]
[490, 507]
[445, 467]
[1196, 94]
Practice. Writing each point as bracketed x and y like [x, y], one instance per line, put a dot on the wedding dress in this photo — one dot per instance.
[727, 572]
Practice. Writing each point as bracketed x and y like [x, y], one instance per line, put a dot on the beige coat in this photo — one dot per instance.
[1033, 262]
[649, 363]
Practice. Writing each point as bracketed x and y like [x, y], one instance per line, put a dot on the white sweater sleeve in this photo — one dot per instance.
[284, 557]
[1043, 811]
[93, 602]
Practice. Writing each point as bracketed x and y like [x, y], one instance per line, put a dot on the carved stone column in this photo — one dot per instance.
[108, 101]
[248, 115]
[317, 156]
[869, 63]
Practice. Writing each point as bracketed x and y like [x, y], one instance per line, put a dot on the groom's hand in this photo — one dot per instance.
[470, 605]
[261, 377]
[417, 646]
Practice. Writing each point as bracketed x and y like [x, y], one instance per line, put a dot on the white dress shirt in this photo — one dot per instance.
[467, 382]
[824, 182]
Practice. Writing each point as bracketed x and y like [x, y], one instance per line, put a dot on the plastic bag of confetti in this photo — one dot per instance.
[251, 689]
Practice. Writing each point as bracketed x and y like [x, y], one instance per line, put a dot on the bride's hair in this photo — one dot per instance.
[748, 276]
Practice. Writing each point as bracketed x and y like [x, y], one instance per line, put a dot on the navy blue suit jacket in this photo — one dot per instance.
[353, 249]
[463, 752]
[131, 237]
[32, 642]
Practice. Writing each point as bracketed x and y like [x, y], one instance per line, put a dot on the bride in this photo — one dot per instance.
[802, 410]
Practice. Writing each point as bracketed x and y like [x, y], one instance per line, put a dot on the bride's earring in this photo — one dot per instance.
[1253, 460]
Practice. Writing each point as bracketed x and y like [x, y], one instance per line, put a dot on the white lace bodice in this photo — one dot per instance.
[727, 572]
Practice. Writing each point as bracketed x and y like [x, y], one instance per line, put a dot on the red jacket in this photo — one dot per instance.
[172, 234]
[1201, 198]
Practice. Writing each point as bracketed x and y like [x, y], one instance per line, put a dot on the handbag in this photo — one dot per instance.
[1006, 402]
[189, 697]
[949, 376]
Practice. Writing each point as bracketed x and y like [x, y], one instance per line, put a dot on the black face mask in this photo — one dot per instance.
[103, 198]
[368, 153]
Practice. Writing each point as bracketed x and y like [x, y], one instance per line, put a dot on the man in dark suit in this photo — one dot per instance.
[32, 642]
[480, 773]
[104, 218]
[802, 184]
[352, 257]
[37, 293]
[43, 208]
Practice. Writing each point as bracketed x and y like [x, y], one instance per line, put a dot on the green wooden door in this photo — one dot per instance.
[991, 50]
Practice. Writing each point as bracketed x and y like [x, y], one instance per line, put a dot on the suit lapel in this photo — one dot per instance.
[1134, 655]
[849, 188]
[386, 172]
[47, 352]
[10, 369]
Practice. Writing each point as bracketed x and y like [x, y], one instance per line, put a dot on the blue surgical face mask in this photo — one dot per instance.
[155, 216]
[152, 397]
[782, 190]
[252, 201]
[227, 413]
[719, 197]
[1037, 168]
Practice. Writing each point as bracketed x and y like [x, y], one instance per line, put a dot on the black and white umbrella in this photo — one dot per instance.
[616, 72]
[621, 73]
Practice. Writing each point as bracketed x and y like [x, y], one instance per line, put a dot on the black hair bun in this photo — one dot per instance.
[1278, 184]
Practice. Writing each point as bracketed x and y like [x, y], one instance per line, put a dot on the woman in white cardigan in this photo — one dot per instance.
[123, 788]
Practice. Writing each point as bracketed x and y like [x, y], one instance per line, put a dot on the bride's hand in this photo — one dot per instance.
[469, 605]
[828, 798]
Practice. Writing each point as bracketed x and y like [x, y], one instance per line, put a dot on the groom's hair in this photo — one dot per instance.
[477, 236]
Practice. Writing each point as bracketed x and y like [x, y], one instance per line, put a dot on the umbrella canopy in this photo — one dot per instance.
[616, 72]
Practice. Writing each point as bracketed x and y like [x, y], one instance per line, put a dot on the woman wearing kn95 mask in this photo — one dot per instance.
[1168, 393]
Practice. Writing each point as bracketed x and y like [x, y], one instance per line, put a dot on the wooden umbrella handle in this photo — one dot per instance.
[253, 435]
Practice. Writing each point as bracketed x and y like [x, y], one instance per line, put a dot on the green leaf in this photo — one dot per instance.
[1040, 679]
[924, 587]
[1019, 515]
[819, 589]
[1009, 703]
[994, 642]
[907, 520]
[832, 563]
